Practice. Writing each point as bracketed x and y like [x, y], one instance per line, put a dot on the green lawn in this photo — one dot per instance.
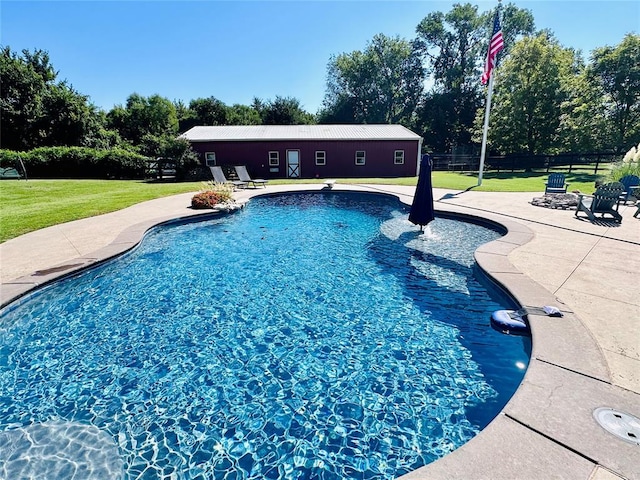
[26, 206]
[491, 182]
[511, 182]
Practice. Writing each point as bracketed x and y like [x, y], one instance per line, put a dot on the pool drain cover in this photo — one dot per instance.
[624, 426]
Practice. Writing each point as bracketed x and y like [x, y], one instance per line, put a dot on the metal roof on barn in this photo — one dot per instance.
[298, 132]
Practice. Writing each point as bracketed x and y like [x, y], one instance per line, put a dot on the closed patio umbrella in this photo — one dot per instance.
[421, 211]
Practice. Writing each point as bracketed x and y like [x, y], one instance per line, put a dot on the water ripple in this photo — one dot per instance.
[309, 336]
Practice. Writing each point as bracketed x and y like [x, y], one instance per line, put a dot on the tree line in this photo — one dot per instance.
[546, 99]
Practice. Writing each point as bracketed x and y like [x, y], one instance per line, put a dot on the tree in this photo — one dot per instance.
[209, 111]
[435, 119]
[531, 87]
[21, 97]
[583, 125]
[186, 117]
[381, 84]
[68, 117]
[341, 109]
[617, 72]
[516, 23]
[38, 111]
[282, 111]
[154, 115]
[453, 47]
[242, 115]
[169, 146]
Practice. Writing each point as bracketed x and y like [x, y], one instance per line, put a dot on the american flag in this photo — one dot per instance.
[496, 44]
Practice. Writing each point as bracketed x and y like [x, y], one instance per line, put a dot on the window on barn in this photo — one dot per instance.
[210, 159]
[398, 157]
[274, 159]
[360, 157]
[321, 157]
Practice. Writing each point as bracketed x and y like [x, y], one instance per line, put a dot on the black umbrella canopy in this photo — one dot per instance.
[421, 211]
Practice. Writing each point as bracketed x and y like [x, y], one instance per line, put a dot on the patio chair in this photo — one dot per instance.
[10, 174]
[631, 183]
[219, 177]
[601, 202]
[243, 175]
[17, 172]
[555, 184]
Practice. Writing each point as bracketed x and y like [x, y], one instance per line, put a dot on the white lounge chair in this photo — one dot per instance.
[243, 175]
[219, 177]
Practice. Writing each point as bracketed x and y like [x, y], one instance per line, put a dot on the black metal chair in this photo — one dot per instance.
[601, 202]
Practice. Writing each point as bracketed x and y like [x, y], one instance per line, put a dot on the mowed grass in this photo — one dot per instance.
[30, 205]
[512, 182]
[491, 182]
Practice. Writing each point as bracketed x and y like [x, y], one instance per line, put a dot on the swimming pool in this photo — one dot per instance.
[310, 335]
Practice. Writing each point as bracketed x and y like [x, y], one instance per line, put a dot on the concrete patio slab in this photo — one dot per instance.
[550, 278]
[536, 457]
[617, 325]
[581, 354]
[557, 398]
[607, 252]
[616, 282]
[625, 371]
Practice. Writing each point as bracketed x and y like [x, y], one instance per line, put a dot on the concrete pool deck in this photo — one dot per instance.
[590, 358]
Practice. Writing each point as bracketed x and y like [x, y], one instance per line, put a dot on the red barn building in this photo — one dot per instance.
[310, 151]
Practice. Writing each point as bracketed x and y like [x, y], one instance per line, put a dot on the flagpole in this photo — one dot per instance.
[495, 45]
[485, 130]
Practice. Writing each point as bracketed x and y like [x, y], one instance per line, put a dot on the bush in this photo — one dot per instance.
[629, 165]
[177, 149]
[77, 162]
[208, 200]
[120, 163]
[11, 159]
[211, 195]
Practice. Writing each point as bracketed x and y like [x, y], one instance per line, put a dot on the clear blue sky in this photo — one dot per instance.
[238, 50]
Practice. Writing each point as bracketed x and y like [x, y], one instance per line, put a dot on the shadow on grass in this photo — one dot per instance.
[570, 177]
[454, 195]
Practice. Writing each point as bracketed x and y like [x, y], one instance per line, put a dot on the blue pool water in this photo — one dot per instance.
[306, 336]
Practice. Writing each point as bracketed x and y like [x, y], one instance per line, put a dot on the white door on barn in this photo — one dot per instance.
[293, 163]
